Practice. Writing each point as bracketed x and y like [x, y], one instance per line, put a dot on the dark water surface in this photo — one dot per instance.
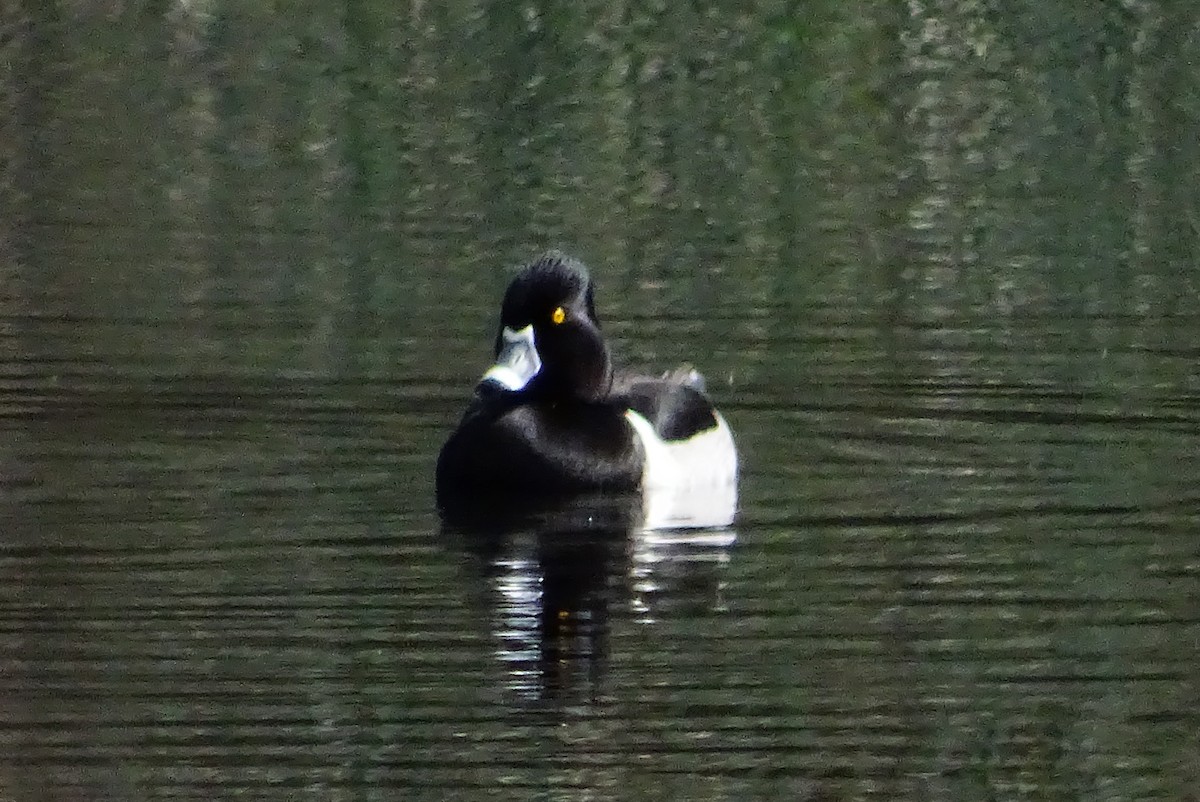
[937, 260]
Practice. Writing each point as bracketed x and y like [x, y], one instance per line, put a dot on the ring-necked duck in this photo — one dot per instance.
[551, 417]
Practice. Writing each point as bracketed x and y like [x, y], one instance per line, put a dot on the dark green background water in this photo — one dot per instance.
[937, 258]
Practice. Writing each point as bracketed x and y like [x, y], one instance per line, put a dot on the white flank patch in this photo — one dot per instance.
[687, 483]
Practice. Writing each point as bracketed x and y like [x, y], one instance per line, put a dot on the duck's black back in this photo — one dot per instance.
[676, 411]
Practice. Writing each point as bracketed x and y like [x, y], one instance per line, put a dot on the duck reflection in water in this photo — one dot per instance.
[561, 470]
[555, 579]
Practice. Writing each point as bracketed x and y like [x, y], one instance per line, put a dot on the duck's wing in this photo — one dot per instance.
[674, 404]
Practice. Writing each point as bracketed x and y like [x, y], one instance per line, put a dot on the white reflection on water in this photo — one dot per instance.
[519, 592]
[678, 568]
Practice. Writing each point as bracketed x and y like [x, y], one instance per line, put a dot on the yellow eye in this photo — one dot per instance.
[558, 315]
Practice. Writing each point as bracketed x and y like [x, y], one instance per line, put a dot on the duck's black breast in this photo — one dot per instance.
[539, 448]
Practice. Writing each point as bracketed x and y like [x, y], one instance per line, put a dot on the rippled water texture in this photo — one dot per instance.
[938, 261]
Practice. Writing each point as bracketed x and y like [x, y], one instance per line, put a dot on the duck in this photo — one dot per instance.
[552, 416]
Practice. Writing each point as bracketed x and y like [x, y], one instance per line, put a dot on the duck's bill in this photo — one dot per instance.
[517, 363]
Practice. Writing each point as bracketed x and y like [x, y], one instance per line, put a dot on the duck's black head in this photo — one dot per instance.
[549, 345]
